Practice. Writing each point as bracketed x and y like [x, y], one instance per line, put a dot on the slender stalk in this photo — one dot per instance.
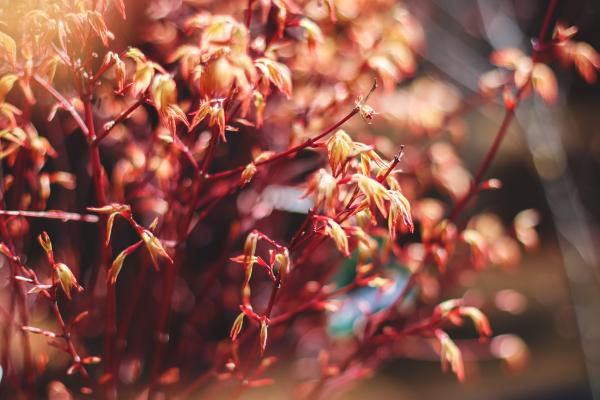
[170, 274]
[120, 118]
[52, 214]
[101, 71]
[97, 170]
[18, 299]
[249, 13]
[502, 130]
[274, 290]
[67, 337]
[64, 102]
[111, 301]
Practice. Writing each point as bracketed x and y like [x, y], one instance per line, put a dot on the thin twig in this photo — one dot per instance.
[108, 127]
[64, 102]
[52, 214]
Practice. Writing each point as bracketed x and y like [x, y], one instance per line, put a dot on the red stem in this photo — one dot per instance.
[120, 118]
[309, 143]
[64, 102]
[547, 20]
[19, 300]
[111, 300]
[485, 164]
[51, 214]
[249, 14]
[67, 336]
[501, 133]
[162, 334]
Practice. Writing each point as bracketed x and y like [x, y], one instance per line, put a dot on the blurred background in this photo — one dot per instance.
[547, 310]
[550, 161]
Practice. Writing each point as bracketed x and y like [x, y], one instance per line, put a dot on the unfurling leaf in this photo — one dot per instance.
[66, 279]
[164, 91]
[109, 225]
[117, 264]
[544, 82]
[119, 73]
[172, 115]
[399, 217]
[450, 354]
[492, 81]
[259, 105]
[46, 244]
[136, 55]
[337, 233]
[283, 263]
[313, 33]
[278, 73]
[142, 78]
[264, 332]
[200, 114]
[324, 188]
[247, 174]
[339, 147]
[587, 61]
[562, 32]
[374, 191]
[120, 6]
[479, 319]
[155, 248]
[249, 258]
[478, 246]
[237, 327]
[96, 20]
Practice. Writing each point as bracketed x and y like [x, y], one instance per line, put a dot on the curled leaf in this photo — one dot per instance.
[339, 146]
[337, 233]
[313, 33]
[450, 354]
[237, 327]
[155, 248]
[6, 84]
[264, 333]
[482, 324]
[66, 279]
[277, 73]
[544, 82]
[247, 174]
[117, 264]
